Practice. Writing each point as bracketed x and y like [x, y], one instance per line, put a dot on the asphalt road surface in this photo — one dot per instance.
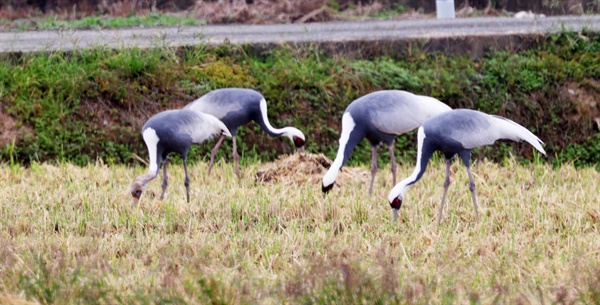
[374, 30]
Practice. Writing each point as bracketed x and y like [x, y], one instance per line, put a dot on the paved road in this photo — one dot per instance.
[377, 30]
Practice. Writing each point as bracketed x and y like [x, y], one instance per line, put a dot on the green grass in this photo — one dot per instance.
[69, 235]
[96, 22]
[90, 104]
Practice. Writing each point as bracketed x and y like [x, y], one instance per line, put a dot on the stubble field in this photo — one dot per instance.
[69, 235]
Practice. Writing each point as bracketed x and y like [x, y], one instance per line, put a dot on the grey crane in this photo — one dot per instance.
[174, 131]
[458, 132]
[236, 107]
[380, 117]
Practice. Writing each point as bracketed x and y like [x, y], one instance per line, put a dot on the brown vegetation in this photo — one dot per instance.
[262, 11]
[278, 11]
[301, 168]
[586, 99]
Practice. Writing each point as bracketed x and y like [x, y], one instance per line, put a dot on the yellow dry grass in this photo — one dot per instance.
[537, 239]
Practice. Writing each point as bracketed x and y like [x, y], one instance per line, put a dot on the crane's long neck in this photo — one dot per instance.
[151, 139]
[154, 153]
[348, 141]
[424, 152]
[263, 122]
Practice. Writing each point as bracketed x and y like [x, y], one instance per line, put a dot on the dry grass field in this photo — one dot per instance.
[70, 235]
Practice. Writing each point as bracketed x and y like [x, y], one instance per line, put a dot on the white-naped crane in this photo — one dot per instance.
[380, 116]
[174, 131]
[458, 132]
[236, 107]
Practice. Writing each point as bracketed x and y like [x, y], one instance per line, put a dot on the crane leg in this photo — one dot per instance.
[472, 188]
[236, 159]
[446, 185]
[165, 181]
[373, 169]
[394, 165]
[213, 153]
[186, 182]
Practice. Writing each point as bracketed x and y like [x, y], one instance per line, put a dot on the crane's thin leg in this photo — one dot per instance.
[446, 185]
[472, 188]
[186, 182]
[165, 181]
[236, 158]
[394, 165]
[373, 169]
[213, 153]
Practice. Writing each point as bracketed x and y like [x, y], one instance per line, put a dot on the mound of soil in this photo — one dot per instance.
[300, 168]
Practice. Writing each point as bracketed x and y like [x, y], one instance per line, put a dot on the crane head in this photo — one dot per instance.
[137, 189]
[395, 198]
[327, 188]
[396, 204]
[295, 135]
[298, 142]
[225, 132]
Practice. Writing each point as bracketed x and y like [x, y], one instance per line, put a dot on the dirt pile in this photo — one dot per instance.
[302, 167]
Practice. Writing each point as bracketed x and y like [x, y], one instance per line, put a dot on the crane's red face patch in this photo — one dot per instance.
[396, 203]
[298, 142]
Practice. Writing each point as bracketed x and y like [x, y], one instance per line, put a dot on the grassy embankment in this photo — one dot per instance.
[69, 235]
[90, 104]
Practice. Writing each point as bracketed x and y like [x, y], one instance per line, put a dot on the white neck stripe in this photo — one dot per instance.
[401, 187]
[348, 125]
[151, 139]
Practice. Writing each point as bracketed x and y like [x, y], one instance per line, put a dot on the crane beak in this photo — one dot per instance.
[135, 201]
[395, 204]
[395, 215]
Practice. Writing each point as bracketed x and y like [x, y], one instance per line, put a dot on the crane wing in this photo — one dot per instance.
[202, 127]
[473, 129]
[398, 112]
[216, 103]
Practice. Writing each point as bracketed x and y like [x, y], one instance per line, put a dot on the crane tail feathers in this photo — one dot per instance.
[518, 133]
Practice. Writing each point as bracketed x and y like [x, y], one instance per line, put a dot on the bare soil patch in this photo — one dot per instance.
[586, 99]
[10, 131]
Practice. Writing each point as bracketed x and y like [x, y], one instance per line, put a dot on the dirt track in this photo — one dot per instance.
[334, 32]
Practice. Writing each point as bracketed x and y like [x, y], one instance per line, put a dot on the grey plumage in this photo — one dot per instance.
[236, 107]
[458, 132]
[174, 131]
[380, 117]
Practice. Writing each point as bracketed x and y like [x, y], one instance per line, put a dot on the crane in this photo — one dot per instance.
[380, 116]
[458, 132]
[236, 107]
[174, 131]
